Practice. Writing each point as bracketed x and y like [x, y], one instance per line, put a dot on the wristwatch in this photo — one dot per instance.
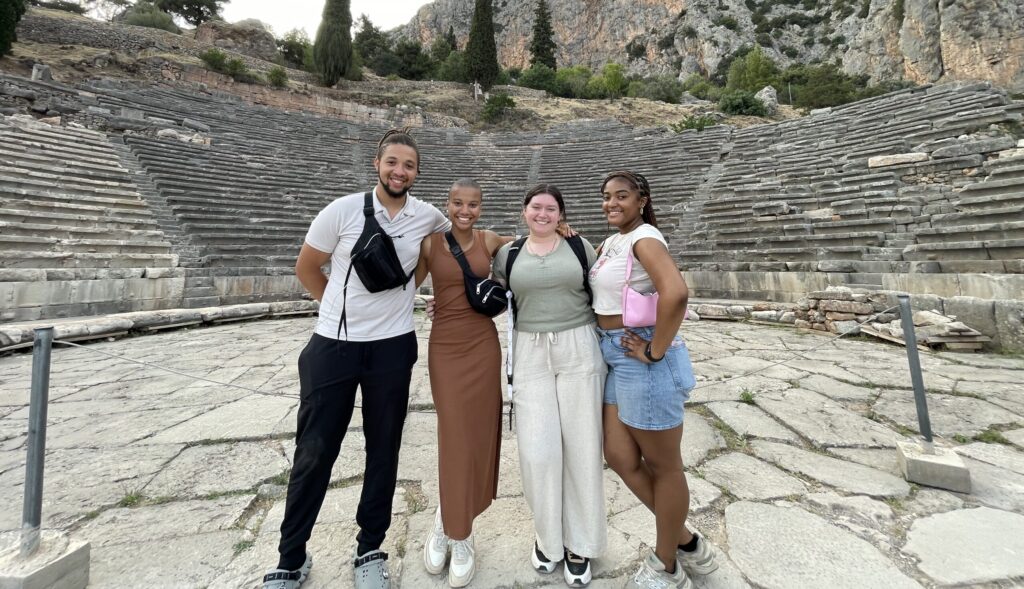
[650, 357]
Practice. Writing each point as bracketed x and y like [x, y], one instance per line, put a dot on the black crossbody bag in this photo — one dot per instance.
[486, 296]
[374, 259]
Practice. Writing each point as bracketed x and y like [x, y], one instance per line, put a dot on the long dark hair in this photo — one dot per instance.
[640, 184]
[398, 137]
[546, 189]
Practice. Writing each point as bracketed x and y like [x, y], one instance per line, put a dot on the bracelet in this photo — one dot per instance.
[650, 357]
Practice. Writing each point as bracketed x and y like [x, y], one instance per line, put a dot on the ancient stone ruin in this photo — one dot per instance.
[125, 196]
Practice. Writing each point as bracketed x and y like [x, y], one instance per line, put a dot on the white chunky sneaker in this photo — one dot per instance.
[577, 569]
[463, 565]
[435, 549]
[699, 562]
[541, 562]
[282, 579]
[652, 575]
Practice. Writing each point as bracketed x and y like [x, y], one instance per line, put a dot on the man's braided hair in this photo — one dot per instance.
[398, 137]
[640, 184]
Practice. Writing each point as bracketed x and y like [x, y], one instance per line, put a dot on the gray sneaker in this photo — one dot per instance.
[699, 562]
[282, 579]
[371, 571]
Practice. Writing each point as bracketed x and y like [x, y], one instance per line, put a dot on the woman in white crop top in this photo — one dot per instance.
[649, 379]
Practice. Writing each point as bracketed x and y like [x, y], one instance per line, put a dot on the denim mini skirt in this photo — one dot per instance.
[648, 396]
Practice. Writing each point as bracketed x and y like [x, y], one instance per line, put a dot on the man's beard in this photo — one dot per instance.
[392, 193]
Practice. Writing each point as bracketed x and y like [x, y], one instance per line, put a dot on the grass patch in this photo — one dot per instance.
[280, 478]
[131, 499]
[895, 503]
[747, 397]
[242, 546]
[92, 515]
[961, 439]
[992, 436]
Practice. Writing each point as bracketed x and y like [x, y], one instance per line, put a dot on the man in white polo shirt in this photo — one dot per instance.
[362, 339]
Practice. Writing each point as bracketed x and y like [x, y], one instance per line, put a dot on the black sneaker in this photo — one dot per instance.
[540, 562]
[577, 569]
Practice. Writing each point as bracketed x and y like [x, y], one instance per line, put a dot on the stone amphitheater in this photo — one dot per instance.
[131, 206]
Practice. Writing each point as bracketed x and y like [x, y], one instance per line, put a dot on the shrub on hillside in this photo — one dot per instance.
[294, 46]
[741, 102]
[700, 87]
[571, 82]
[277, 77]
[610, 83]
[664, 88]
[753, 71]
[695, 122]
[146, 14]
[453, 68]
[539, 77]
[215, 59]
[497, 106]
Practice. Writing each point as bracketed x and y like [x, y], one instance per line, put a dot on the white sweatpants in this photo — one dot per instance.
[559, 386]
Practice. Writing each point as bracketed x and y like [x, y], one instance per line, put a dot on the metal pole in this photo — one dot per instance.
[33, 506]
[907, 319]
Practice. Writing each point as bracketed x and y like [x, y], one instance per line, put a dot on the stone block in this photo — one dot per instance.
[977, 146]
[59, 563]
[1009, 320]
[846, 307]
[195, 125]
[943, 469]
[893, 160]
[41, 73]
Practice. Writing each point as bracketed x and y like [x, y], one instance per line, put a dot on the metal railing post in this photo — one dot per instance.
[924, 422]
[33, 507]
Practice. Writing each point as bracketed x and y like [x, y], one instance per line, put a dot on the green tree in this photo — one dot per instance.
[453, 69]
[752, 72]
[332, 51]
[481, 51]
[572, 81]
[416, 65]
[440, 49]
[539, 77]
[293, 47]
[10, 14]
[542, 46]
[497, 106]
[194, 12]
[450, 38]
[741, 102]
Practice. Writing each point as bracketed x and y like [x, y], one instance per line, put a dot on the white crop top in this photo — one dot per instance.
[608, 274]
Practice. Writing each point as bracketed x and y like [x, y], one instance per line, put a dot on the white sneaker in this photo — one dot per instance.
[463, 565]
[435, 549]
[652, 575]
[540, 562]
[699, 562]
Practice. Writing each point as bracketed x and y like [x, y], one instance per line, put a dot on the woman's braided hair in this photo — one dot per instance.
[398, 137]
[640, 184]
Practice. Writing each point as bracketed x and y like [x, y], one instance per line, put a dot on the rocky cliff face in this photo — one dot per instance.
[914, 40]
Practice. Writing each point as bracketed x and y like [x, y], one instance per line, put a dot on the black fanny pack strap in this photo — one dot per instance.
[460, 256]
[344, 300]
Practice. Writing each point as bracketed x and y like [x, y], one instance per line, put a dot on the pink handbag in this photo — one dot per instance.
[638, 309]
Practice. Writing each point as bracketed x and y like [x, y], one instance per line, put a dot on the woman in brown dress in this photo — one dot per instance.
[464, 361]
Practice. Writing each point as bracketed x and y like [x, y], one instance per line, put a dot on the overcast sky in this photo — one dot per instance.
[285, 15]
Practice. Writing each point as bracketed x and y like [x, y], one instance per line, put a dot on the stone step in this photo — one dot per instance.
[985, 232]
[30, 243]
[200, 302]
[977, 217]
[43, 259]
[994, 187]
[10, 229]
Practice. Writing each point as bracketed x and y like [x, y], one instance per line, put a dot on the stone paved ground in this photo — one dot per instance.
[177, 483]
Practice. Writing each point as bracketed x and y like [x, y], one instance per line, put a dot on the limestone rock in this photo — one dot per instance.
[824, 421]
[769, 98]
[246, 37]
[989, 546]
[845, 476]
[751, 479]
[811, 541]
[41, 73]
[881, 161]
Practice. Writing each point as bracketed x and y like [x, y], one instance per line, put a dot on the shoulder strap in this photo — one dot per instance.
[513, 253]
[460, 256]
[576, 243]
[368, 205]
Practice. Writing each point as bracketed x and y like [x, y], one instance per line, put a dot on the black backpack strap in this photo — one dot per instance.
[576, 243]
[513, 253]
[460, 256]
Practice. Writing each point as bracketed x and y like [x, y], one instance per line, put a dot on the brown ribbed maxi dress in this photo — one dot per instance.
[464, 360]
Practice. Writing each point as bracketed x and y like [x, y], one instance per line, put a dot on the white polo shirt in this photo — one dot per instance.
[370, 316]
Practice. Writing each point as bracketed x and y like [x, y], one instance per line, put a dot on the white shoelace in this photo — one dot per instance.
[461, 550]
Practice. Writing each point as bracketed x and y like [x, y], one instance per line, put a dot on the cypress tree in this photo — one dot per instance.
[481, 51]
[450, 38]
[543, 44]
[332, 51]
[10, 14]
